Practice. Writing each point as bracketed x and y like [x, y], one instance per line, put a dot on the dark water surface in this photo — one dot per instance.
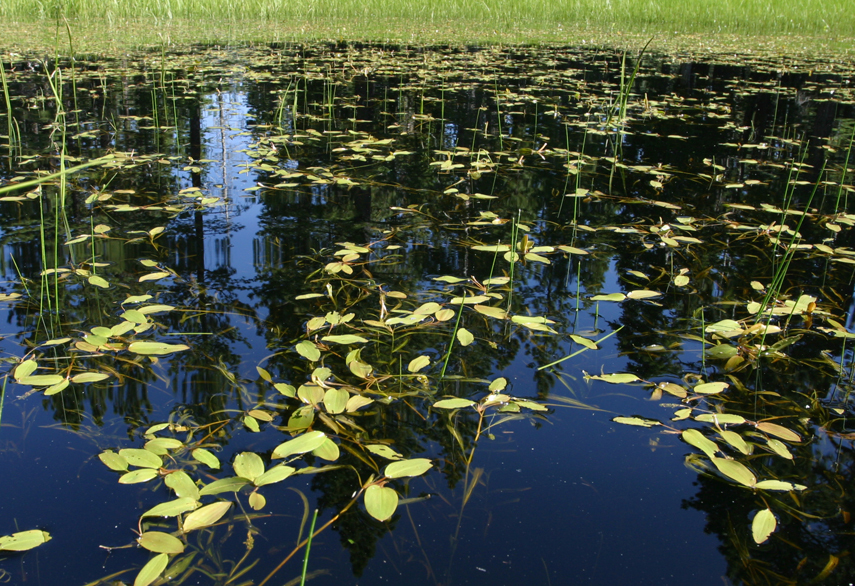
[263, 195]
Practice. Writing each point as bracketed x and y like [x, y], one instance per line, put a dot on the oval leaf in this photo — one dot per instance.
[380, 502]
[249, 465]
[152, 570]
[335, 400]
[89, 377]
[300, 445]
[779, 431]
[159, 542]
[696, 438]
[172, 508]
[141, 458]
[137, 476]
[206, 516]
[763, 525]
[24, 540]
[735, 471]
[113, 461]
[230, 484]
[710, 388]
[404, 468]
[308, 350]
[345, 339]
[416, 364]
[207, 458]
[184, 487]
[465, 337]
[156, 348]
[274, 475]
[453, 403]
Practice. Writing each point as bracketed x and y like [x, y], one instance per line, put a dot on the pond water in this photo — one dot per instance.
[556, 316]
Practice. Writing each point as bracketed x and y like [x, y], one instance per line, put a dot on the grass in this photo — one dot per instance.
[101, 26]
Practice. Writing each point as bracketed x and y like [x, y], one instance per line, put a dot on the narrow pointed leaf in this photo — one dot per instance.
[230, 484]
[696, 438]
[735, 471]
[453, 403]
[779, 431]
[156, 348]
[300, 445]
[172, 508]
[152, 570]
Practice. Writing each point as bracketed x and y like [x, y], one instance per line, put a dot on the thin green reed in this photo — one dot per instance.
[499, 115]
[453, 334]
[12, 123]
[513, 256]
[840, 189]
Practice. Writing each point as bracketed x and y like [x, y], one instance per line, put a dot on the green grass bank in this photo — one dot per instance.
[101, 25]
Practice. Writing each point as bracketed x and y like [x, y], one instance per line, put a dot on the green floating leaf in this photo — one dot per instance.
[530, 405]
[308, 350]
[162, 445]
[98, 282]
[137, 476]
[609, 297]
[681, 280]
[779, 431]
[779, 485]
[384, 451]
[763, 525]
[89, 377]
[616, 378]
[710, 388]
[696, 438]
[156, 348]
[206, 516]
[229, 484]
[418, 363]
[184, 487]
[152, 570]
[448, 279]
[113, 461]
[205, 457]
[335, 400]
[24, 540]
[494, 312]
[356, 402]
[735, 440]
[248, 465]
[173, 508]
[780, 448]
[465, 337]
[642, 294]
[345, 339]
[257, 501]
[453, 403]
[42, 380]
[159, 542]
[735, 471]
[141, 458]
[380, 502]
[327, 451]
[498, 384]
[721, 418]
[300, 445]
[636, 421]
[54, 389]
[274, 475]
[404, 468]
[590, 344]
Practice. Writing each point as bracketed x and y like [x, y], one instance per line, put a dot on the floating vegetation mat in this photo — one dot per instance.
[362, 315]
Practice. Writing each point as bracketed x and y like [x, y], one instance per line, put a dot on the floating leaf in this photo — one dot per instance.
[257, 501]
[453, 403]
[274, 475]
[735, 471]
[152, 570]
[498, 384]
[287, 390]
[780, 448]
[172, 508]
[24, 540]
[229, 484]
[465, 337]
[384, 451]
[98, 282]
[184, 487]
[335, 400]
[25, 369]
[609, 297]
[696, 438]
[113, 461]
[710, 388]
[763, 525]
[327, 451]
[356, 402]
[735, 440]
[345, 339]
[137, 476]
[584, 342]
[205, 457]
[159, 542]
[721, 418]
[642, 294]
[418, 363]
[248, 465]
[156, 348]
[448, 279]
[405, 468]
[427, 308]
[779, 485]
[779, 431]
[380, 502]
[206, 516]
[153, 276]
[42, 380]
[494, 312]
[636, 421]
[89, 377]
[616, 378]
[161, 445]
[300, 445]
[141, 458]
[681, 280]
[308, 350]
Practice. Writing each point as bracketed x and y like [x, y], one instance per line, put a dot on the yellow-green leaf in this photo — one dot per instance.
[735, 471]
[418, 363]
[380, 502]
[206, 516]
[763, 525]
[152, 570]
[159, 542]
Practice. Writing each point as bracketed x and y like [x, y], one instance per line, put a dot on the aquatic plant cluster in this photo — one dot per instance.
[254, 283]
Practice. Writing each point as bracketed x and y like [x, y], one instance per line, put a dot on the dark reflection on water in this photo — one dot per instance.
[259, 162]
